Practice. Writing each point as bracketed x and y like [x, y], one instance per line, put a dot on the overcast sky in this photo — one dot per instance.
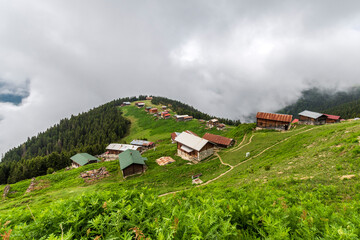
[227, 58]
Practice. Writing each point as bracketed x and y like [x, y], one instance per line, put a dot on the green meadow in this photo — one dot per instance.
[299, 184]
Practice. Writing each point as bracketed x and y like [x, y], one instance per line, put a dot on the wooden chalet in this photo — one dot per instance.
[164, 107]
[153, 110]
[82, 159]
[149, 98]
[116, 148]
[273, 121]
[147, 109]
[180, 118]
[212, 123]
[193, 148]
[312, 118]
[140, 104]
[131, 162]
[332, 118]
[188, 118]
[218, 140]
[167, 116]
[143, 144]
[221, 126]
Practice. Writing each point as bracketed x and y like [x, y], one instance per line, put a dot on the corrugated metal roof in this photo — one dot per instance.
[310, 114]
[333, 117]
[181, 116]
[121, 147]
[130, 157]
[83, 158]
[217, 139]
[141, 143]
[274, 116]
[191, 141]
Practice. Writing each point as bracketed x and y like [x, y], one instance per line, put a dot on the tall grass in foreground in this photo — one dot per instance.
[247, 213]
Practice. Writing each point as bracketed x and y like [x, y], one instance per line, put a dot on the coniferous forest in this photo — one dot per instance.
[342, 103]
[51, 150]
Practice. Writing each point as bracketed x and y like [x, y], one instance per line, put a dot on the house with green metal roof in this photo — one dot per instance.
[131, 162]
[82, 159]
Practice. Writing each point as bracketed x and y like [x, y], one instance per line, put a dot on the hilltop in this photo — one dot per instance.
[298, 184]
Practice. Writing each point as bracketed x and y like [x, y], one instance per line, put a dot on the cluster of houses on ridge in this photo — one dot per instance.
[284, 121]
[189, 147]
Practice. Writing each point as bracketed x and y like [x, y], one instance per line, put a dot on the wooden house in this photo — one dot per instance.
[180, 118]
[126, 103]
[131, 162]
[140, 104]
[188, 118]
[218, 140]
[221, 126]
[273, 121]
[193, 148]
[312, 118]
[212, 123]
[153, 110]
[82, 159]
[147, 109]
[332, 118]
[164, 107]
[116, 148]
[143, 144]
[149, 98]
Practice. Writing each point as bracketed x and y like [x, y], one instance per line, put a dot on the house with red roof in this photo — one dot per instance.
[273, 121]
[332, 118]
[218, 140]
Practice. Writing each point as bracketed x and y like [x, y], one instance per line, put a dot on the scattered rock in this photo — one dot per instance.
[96, 174]
[290, 163]
[280, 173]
[32, 185]
[347, 177]
[6, 191]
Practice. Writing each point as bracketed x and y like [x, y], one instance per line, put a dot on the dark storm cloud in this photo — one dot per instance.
[228, 58]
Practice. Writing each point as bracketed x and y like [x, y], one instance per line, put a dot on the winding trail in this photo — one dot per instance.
[240, 163]
[241, 146]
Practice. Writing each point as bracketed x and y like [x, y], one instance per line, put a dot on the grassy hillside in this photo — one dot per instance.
[290, 187]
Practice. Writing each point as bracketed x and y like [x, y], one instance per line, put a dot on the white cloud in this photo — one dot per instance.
[227, 58]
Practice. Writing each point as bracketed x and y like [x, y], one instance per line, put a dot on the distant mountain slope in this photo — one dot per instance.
[345, 104]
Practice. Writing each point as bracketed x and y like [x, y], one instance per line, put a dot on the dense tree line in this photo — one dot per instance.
[98, 126]
[87, 132]
[185, 109]
[343, 103]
